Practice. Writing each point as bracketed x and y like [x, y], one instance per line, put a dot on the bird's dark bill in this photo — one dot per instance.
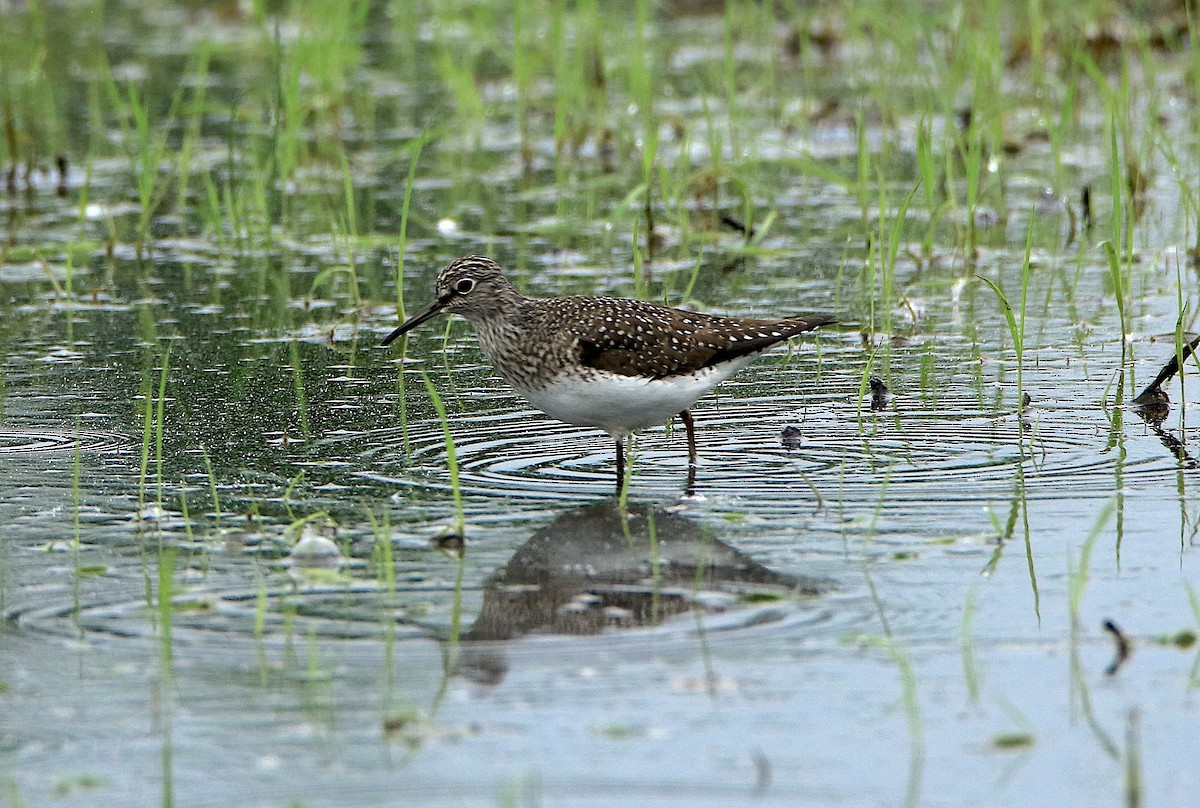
[414, 321]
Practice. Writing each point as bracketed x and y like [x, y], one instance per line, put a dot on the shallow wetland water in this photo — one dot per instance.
[230, 571]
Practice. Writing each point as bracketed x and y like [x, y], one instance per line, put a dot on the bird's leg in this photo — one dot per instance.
[690, 486]
[690, 425]
[620, 464]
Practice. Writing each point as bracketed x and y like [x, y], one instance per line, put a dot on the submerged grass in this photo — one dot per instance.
[909, 698]
[166, 605]
[451, 454]
[153, 413]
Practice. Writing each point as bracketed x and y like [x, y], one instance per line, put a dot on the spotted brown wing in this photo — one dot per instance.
[641, 339]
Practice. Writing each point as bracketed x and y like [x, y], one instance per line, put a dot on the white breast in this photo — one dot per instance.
[623, 404]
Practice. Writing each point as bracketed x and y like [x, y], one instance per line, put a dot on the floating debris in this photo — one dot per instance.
[879, 393]
[450, 543]
[791, 437]
[151, 513]
[1013, 740]
[1026, 411]
[316, 548]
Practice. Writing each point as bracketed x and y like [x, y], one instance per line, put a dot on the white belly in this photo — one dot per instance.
[623, 404]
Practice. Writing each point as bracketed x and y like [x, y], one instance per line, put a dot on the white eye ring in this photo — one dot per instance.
[463, 286]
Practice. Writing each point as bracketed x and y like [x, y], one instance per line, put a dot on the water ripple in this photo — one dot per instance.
[956, 451]
[28, 441]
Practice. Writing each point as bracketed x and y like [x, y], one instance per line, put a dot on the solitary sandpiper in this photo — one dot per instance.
[617, 364]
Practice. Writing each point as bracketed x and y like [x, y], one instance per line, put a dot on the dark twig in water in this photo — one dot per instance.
[737, 264]
[1085, 202]
[1123, 647]
[737, 225]
[61, 162]
[1154, 393]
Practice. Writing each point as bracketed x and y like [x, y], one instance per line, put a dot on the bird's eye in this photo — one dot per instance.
[464, 286]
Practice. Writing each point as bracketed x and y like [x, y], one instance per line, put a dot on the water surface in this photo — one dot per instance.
[898, 605]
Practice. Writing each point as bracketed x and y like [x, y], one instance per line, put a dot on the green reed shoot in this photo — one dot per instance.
[1113, 248]
[298, 387]
[76, 472]
[451, 455]
[1194, 602]
[692, 278]
[1018, 509]
[640, 281]
[966, 643]
[1183, 183]
[655, 569]
[153, 411]
[456, 605]
[292, 485]
[212, 483]
[909, 697]
[972, 155]
[1133, 760]
[630, 459]
[166, 596]
[159, 409]
[891, 237]
[13, 792]
[457, 74]
[729, 63]
[381, 555]
[186, 512]
[522, 67]
[147, 413]
[414, 156]
[451, 646]
[641, 88]
[862, 184]
[350, 225]
[1194, 72]
[191, 136]
[261, 603]
[1078, 574]
[149, 149]
[566, 96]
[864, 382]
[1016, 321]
[166, 762]
[927, 173]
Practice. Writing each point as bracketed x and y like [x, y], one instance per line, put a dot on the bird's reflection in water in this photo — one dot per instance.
[594, 569]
